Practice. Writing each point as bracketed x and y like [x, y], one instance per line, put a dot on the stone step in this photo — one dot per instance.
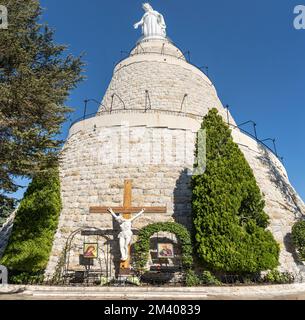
[291, 291]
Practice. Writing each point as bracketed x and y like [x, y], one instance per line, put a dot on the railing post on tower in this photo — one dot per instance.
[85, 108]
[116, 95]
[274, 145]
[147, 101]
[112, 98]
[86, 105]
[183, 100]
[255, 132]
[189, 56]
[254, 127]
[162, 50]
[206, 68]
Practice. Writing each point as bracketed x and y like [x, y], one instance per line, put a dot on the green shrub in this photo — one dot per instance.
[26, 278]
[228, 208]
[35, 223]
[141, 247]
[298, 238]
[277, 277]
[208, 279]
[191, 278]
[134, 280]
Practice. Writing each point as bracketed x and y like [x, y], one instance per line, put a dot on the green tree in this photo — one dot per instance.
[34, 227]
[36, 76]
[298, 238]
[228, 208]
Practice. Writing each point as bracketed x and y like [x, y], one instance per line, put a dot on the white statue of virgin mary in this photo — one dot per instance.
[153, 24]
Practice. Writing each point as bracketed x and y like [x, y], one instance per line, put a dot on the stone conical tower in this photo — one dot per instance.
[145, 130]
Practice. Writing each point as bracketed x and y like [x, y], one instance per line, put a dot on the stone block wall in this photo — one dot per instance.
[96, 160]
[172, 83]
[94, 165]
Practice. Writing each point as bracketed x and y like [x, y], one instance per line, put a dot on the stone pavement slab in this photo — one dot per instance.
[264, 292]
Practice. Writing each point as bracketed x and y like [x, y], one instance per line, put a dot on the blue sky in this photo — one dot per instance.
[256, 58]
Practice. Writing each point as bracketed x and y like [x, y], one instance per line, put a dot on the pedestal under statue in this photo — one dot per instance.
[153, 24]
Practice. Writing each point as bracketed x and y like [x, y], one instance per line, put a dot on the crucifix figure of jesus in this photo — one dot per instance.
[125, 236]
[125, 220]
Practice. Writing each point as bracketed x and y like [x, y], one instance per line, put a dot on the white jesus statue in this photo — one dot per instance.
[153, 24]
[125, 236]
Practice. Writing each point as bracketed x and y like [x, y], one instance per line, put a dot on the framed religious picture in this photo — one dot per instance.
[165, 250]
[90, 250]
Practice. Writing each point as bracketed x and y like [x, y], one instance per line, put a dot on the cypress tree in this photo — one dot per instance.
[228, 208]
[298, 238]
[35, 224]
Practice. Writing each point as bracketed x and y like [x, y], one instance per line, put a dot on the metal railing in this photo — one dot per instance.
[148, 109]
[261, 142]
[185, 56]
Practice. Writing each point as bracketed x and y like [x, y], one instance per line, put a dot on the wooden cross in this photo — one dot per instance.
[127, 210]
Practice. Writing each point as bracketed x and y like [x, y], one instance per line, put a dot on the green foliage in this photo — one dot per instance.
[141, 247]
[134, 280]
[277, 277]
[26, 278]
[36, 76]
[298, 238]
[208, 279]
[104, 281]
[228, 208]
[35, 223]
[191, 278]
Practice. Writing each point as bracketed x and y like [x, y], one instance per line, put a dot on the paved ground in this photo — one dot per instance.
[280, 292]
[174, 298]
